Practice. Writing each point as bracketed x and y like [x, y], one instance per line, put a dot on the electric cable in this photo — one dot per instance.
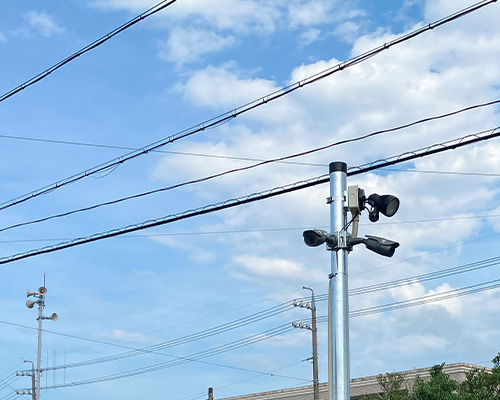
[428, 299]
[381, 163]
[485, 174]
[244, 321]
[450, 294]
[418, 301]
[9, 396]
[151, 11]
[444, 273]
[255, 317]
[196, 356]
[286, 306]
[259, 230]
[202, 395]
[8, 381]
[225, 117]
[181, 153]
[248, 167]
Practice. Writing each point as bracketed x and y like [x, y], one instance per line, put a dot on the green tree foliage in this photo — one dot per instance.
[482, 385]
[439, 387]
[479, 384]
[392, 387]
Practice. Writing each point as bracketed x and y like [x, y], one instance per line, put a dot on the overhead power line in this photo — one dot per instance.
[154, 349]
[444, 273]
[450, 294]
[227, 157]
[259, 230]
[428, 299]
[259, 164]
[151, 11]
[225, 117]
[280, 308]
[404, 157]
[183, 360]
[419, 301]
[181, 153]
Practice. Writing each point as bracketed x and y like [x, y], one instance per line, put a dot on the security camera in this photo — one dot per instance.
[384, 247]
[316, 237]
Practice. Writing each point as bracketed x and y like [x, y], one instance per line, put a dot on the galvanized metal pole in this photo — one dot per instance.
[339, 315]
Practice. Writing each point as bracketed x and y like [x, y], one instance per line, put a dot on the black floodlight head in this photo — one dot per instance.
[316, 237]
[384, 247]
[386, 204]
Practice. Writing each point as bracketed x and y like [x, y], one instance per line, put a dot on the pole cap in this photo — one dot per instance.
[338, 166]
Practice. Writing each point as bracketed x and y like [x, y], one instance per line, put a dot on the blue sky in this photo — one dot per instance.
[193, 61]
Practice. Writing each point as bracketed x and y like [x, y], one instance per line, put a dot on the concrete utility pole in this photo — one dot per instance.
[311, 306]
[28, 373]
[314, 345]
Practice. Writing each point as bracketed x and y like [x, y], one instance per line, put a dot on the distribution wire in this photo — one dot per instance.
[284, 306]
[284, 229]
[233, 345]
[194, 397]
[490, 262]
[450, 294]
[261, 163]
[226, 157]
[494, 284]
[418, 301]
[153, 10]
[225, 117]
[185, 339]
[244, 321]
[280, 330]
[277, 191]
[181, 153]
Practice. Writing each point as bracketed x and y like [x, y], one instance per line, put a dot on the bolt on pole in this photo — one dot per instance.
[338, 346]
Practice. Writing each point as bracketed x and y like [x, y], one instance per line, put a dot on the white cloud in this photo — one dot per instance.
[216, 24]
[493, 219]
[242, 16]
[347, 31]
[121, 335]
[317, 12]
[416, 290]
[131, 5]
[267, 267]
[3, 38]
[383, 92]
[189, 45]
[310, 13]
[43, 23]
[223, 87]
[310, 36]
[195, 253]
